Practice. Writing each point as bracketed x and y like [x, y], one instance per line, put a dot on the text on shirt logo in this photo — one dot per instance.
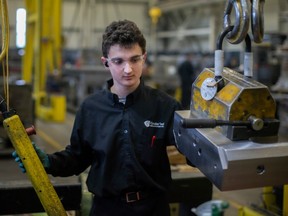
[154, 124]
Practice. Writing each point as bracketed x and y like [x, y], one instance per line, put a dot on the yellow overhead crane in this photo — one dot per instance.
[42, 58]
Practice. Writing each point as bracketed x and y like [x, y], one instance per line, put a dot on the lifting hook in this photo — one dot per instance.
[242, 20]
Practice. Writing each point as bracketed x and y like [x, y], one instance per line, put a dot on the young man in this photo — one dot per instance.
[122, 133]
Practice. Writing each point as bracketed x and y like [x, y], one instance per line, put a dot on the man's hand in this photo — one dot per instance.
[41, 154]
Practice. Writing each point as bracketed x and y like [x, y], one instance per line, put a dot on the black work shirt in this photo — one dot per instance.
[125, 144]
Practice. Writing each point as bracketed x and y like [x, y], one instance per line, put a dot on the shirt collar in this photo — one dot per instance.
[131, 98]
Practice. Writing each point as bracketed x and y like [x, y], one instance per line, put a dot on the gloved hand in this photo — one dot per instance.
[41, 154]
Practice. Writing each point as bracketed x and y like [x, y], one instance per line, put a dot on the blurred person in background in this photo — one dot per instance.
[187, 76]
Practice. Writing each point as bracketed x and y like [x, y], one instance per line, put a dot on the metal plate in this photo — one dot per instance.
[232, 165]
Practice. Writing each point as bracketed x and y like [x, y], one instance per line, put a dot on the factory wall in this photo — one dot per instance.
[84, 22]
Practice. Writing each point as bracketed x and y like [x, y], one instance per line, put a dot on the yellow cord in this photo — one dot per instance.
[5, 48]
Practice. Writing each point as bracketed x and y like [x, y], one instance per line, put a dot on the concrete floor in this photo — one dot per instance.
[54, 136]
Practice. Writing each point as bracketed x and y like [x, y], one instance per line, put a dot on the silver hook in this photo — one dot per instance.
[257, 21]
[242, 19]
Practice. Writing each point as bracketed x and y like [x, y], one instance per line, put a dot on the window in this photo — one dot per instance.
[20, 28]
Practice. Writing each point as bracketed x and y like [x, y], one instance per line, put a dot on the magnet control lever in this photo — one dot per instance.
[253, 122]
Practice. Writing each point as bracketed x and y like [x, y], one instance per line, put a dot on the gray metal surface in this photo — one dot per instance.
[20, 99]
[232, 165]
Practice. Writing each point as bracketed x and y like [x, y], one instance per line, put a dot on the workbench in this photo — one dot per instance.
[17, 196]
[189, 189]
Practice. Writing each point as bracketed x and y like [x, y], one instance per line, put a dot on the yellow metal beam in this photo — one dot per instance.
[43, 56]
[245, 211]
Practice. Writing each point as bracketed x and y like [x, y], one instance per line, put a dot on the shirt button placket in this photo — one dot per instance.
[125, 131]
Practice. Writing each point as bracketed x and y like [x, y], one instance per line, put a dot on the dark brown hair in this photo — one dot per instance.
[125, 33]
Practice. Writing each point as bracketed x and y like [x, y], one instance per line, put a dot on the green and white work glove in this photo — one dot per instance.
[41, 154]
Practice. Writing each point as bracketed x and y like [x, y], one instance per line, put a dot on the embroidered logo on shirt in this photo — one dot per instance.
[154, 124]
